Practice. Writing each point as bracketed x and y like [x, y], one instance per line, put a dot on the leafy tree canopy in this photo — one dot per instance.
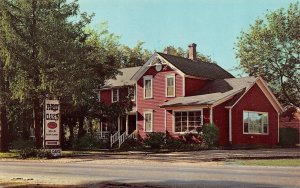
[271, 49]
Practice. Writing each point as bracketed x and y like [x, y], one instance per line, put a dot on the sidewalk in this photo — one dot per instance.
[195, 156]
[186, 157]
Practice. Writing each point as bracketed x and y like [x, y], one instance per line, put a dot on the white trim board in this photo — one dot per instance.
[148, 64]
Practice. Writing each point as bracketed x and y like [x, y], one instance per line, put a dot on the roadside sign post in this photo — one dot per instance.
[51, 128]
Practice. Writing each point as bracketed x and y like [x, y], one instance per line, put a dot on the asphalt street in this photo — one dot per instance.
[87, 173]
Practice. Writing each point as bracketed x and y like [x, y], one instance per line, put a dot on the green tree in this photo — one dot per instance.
[184, 53]
[44, 49]
[4, 58]
[271, 49]
[136, 56]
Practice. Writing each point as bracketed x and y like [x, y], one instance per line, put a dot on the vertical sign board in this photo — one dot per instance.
[52, 123]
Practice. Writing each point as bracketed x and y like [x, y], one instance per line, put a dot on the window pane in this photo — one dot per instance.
[255, 122]
[148, 88]
[148, 121]
[177, 126]
[115, 95]
[170, 91]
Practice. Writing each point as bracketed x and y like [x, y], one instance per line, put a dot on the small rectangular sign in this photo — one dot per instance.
[55, 152]
[52, 122]
[52, 143]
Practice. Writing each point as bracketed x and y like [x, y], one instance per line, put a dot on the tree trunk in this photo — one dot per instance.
[80, 127]
[37, 122]
[3, 117]
[71, 138]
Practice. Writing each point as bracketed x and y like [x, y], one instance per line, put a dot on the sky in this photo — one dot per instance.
[213, 25]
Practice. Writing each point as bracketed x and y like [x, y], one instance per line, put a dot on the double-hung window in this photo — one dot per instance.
[115, 95]
[255, 122]
[148, 90]
[148, 121]
[170, 85]
[187, 121]
[131, 93]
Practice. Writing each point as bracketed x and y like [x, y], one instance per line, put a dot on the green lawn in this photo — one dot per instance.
[11, 154]
[270, 162]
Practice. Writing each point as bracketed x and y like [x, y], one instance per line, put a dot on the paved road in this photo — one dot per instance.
[86, 173]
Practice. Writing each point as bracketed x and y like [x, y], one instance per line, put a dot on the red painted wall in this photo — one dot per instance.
[254, 100]
[159, 97]
[105, 96]
[221, 120]
[193, 85]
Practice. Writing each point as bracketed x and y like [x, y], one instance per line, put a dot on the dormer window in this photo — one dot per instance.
[170, 85]
[115, 95]
[148, 91]
[131, 93]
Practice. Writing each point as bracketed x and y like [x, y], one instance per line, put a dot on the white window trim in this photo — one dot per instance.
[148, 77]
[166, 85]
[133, 98]
[112, 95]
[248, 125]
[148, 112]
[192, 110]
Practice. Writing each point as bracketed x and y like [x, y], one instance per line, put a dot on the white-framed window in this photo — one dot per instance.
[131, 93]
[148, 87]
[170, 85]
[255, 122]
[115, 95]
[148, 121]
[187, 121]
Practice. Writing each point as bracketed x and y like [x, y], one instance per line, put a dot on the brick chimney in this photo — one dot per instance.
[167, 50]
[192, 52]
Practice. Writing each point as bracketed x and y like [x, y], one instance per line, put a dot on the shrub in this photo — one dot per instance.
[155, 140]
[35, 153]
[90, 142]
[131, 144]
[21, 144]
[210, 134]
[288, 136]
[174, 144]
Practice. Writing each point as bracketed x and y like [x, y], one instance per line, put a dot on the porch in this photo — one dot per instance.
[119, 130]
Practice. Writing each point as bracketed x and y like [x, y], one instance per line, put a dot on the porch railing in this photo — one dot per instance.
[103, 135]
[114, 138]
[122, 138]
[132, 135]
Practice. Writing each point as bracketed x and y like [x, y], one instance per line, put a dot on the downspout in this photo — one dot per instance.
[278, 126]
[230, 126]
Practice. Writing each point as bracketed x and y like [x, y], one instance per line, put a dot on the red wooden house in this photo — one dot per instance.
[177, 95]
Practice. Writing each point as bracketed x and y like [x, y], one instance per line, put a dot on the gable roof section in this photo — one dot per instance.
[215, 92]
[197, 68]
[122, 79]
[267, 92]
[185, 66]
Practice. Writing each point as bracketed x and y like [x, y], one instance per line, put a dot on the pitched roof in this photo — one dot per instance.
[122, 79]
[197, 68]
[214, 91]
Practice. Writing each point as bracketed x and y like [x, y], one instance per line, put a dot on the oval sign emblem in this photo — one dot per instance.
[51, 125]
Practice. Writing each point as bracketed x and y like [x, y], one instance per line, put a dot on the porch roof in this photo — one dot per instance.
[214, 92]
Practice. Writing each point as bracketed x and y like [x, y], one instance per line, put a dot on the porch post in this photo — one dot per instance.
[119, 122]
[101, 128]
[127, 123]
